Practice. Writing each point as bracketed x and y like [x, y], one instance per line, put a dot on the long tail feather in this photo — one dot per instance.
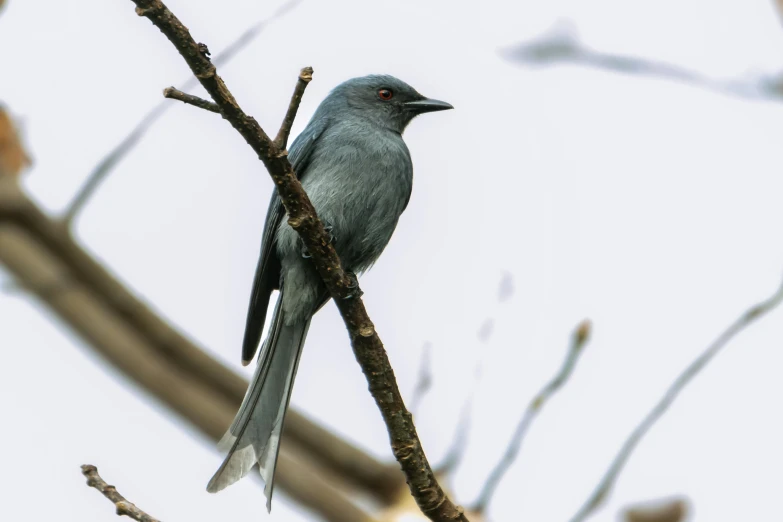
[254, 436]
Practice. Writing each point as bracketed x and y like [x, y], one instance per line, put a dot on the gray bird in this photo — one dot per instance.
[357, 171]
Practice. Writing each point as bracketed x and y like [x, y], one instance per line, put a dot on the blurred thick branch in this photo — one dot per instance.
[367, 346]
[562, 46]
[316, 467]
[124, 507]
[604, 487]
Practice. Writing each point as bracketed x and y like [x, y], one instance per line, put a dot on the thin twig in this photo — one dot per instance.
[107, 164]
[578, 340]
[175, 94]
[250, 34]
[113, 158]
[123, 506]
[459, 444]
[564, 47]
[604, 487]
[305, 77]
[367, 346]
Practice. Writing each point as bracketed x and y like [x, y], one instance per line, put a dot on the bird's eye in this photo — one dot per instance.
[385, 94]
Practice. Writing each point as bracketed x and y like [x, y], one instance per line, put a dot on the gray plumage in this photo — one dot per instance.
[357, 171]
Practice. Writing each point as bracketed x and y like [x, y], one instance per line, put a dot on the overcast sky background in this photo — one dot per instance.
[652, 208]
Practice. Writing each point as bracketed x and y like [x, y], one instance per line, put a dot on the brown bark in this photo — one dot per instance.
[124, 507]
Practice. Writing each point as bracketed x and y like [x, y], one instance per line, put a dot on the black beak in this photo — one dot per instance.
[427, 105]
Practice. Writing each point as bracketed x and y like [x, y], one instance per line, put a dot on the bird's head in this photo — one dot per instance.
[384, 100]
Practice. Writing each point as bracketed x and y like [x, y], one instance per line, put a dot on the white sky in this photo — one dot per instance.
[651, 207]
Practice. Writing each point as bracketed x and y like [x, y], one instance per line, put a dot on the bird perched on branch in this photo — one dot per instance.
[357, 171]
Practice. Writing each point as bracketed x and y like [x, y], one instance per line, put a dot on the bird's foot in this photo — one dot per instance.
[354, 292]
[329, 228]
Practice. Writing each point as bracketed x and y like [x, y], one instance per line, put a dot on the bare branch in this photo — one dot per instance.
[107, 164]
[175, 94]
[123, 506]
[367, 346]
[250, 34]
[604, 487]
[314, 465]
[305, 77]
[563, 47]
[459, 444]
[113, 158]
[578, 340]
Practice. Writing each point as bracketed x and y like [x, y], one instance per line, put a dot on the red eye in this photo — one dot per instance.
[385, 94]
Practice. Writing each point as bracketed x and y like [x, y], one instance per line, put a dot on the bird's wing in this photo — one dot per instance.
[267, 277]
[410, 174]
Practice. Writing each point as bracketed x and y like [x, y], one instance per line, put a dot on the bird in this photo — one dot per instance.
[357, 171]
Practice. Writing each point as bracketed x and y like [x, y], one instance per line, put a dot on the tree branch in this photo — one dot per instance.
[604, 487]
[459, 445]
[175, 94]
[305, 77]
[112, 159]
[123, 506]
[579, 339]
[367, 346]
[564, 47]
[124, 331]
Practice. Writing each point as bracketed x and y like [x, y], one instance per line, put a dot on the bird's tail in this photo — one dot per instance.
[254, 436]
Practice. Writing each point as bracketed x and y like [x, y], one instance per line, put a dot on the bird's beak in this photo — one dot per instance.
[427, 105]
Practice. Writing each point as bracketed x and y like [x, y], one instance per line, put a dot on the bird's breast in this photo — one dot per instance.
[360, 187]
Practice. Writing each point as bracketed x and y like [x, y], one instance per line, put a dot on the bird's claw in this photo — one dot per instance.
[353, 286]
[329, 228]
